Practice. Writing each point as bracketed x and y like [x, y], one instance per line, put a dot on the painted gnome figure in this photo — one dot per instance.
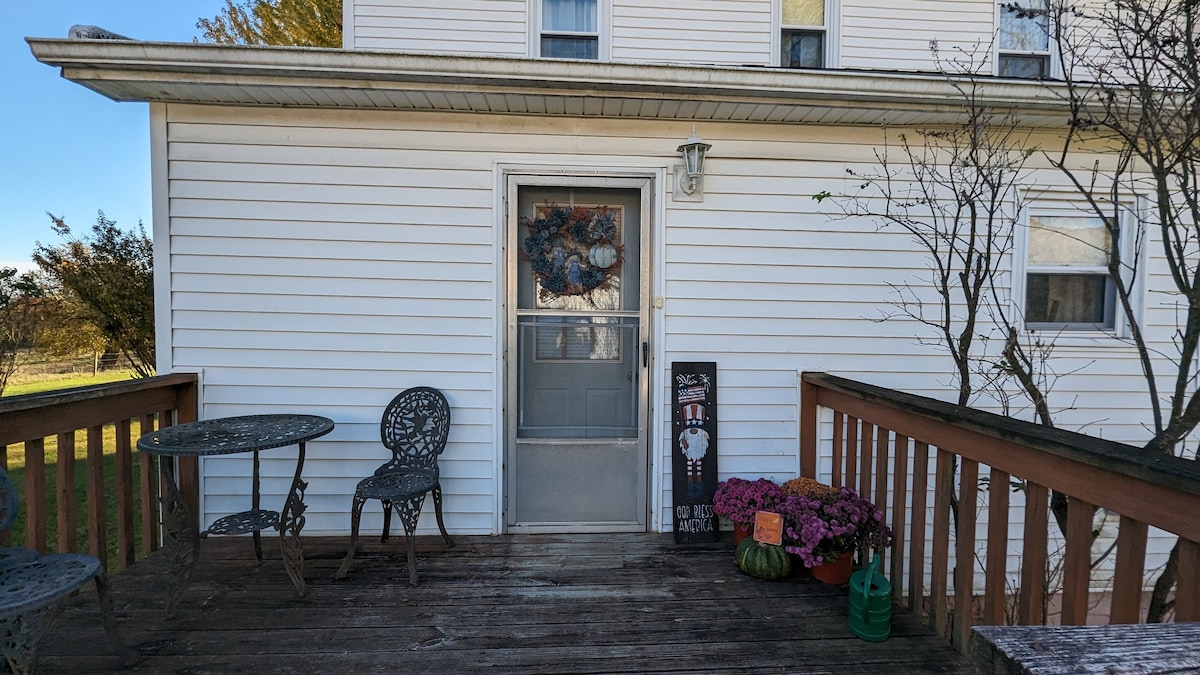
[693, 443]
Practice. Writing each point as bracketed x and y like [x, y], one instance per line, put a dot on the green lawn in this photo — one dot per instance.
[66, 382]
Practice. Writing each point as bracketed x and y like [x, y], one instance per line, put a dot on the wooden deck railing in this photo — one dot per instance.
[31, 419]
[881, 445]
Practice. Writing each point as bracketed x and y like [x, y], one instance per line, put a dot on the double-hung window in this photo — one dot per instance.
[805, 34]
[1067, 283]
[570, 29]
[1023, 40]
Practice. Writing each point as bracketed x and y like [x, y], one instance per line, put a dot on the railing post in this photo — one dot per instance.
[808, 429]
[189, 467]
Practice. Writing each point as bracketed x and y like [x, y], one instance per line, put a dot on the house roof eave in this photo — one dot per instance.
[303, 77]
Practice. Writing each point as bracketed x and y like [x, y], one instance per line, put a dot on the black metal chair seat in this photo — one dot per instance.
[396, 486]
[414, 427]
[33, 588]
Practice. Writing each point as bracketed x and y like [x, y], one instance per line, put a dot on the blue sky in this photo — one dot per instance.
[66, 149]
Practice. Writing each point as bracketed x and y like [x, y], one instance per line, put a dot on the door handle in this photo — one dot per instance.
[645, 354]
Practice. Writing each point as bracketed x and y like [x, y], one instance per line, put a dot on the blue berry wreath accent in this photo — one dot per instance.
[572, 250]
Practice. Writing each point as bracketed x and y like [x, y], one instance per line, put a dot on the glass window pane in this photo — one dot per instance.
[570, 48]
[1068, 299]
[1070, 241]
[1024, 26]
[803, 49]
[1024, 67]
[573, 16]
[804, 12]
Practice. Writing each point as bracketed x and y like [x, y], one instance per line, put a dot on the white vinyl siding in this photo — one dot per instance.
[322, 261]
[488, 27]
[724, 32]
[883, 35]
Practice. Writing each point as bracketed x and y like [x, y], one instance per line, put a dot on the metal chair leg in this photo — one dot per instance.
[387, 521]
[437, 511]
[355, 515]
[128, 656]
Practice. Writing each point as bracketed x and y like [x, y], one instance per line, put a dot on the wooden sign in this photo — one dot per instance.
[768, 528]
[694, 451]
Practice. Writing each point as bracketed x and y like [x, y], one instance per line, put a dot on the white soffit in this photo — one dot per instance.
[334, 78]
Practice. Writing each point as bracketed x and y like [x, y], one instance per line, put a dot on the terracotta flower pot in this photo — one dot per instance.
[836, 572]
[740, 532]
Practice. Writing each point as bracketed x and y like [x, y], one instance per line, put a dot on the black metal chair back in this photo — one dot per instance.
[414, 427]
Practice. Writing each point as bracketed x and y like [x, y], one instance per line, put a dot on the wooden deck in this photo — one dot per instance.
[524, 603]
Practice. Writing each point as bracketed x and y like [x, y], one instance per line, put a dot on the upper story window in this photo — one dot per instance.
[1067, 284]
[805, 34]
[570, 29]
[1024, 40]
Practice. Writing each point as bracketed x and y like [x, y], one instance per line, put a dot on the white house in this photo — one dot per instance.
[334, 226]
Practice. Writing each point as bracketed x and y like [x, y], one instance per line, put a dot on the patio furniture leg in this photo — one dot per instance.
[409, 511]
[181, 535]
[128, 656]
[257, 547]
[22, 635]
[355, 516]
[387, 521]
[437, 510]
[291, 521]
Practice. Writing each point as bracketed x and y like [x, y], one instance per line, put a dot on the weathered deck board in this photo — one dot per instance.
[529, 604]
[1119, 648]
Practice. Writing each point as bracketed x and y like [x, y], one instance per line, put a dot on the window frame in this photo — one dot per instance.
[1053, 67]
[603, 33]
[830, 32]
[1065, 204]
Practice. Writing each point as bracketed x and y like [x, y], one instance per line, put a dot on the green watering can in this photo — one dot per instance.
[870, 603]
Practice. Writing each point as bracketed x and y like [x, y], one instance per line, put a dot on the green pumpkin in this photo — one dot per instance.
[762, 561]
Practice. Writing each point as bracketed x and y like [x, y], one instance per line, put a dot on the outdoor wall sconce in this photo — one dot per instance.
[692, 171]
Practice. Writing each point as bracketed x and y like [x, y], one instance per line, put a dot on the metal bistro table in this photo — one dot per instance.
[224, 436]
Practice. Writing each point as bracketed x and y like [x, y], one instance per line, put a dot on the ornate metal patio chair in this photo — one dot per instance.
[34, 588]
[414, 427]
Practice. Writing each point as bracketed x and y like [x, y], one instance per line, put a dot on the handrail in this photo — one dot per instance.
[874, 430]
[31, 419]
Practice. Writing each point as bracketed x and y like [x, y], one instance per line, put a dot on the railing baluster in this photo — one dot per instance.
[35, 494]
[899, 499]
[865, 465]
[882, 439]
[148, 479]
[1127, 577]
[996, 574]
[1077, 562]
[1033, 557]
[850, 477]
[964, 554]
[916, 550]
[940, 556]
[124, 485]
[97, 530]
[5, 538]
[1187, 592]
[67, 509]
[838, 449]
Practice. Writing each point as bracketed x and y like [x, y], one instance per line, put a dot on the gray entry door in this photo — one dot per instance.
[576, 459]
